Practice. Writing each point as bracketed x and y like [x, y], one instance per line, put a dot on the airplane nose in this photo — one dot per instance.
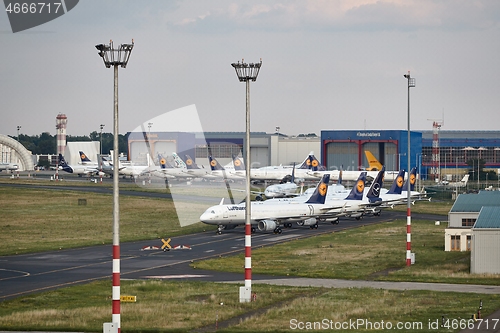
[206, 218]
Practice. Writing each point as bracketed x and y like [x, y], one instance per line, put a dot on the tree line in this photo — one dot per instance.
[46, 144]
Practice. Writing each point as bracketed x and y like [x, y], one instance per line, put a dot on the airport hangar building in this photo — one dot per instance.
[444, 152]
[434, 153]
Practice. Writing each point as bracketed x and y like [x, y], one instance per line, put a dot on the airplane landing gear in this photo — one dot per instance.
[314, 226]
[278, 230]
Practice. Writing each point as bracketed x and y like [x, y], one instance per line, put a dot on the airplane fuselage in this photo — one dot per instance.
[235, 214]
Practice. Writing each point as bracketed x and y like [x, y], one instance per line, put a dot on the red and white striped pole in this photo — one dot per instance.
[248, 205]
[411, 83]
[115, 318]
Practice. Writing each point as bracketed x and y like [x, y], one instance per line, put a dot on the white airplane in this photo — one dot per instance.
[8, 166]
[79, 169]
[343, 203]
[130, 170]
[461, 183]
[192, 169]
[280, 172]
[288, 189]
[269, 216]
[165, 170]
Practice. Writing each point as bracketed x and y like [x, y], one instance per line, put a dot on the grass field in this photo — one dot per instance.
[166, 306]
[371, 252]
[35, 220]
[42, 220]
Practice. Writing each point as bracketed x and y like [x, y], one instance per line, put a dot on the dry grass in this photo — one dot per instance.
[370, 252]
[37, 220]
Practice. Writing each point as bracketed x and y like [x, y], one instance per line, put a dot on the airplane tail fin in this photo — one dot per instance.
[238, 163]
[62, 161]
[319, 195]
[293, 174]
[214, 164]
[373, 194]
[357, 191]
[412, 179]
[465, 179]
[339, 181]
[163, 162]
[306, 163]
[397, 184]
[84, 157]
[64, 165]
[373, 163]
[190, 164]
[178, 161]
[315, 165]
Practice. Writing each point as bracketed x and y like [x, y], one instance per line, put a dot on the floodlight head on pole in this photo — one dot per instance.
[115, 57]
[411, 80]
[246, 71]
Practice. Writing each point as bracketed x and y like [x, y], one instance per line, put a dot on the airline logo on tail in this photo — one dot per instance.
[64, 165]
[163, 162]
[319, 195]
[84, 157]
[214, 165]
[357, 191]
[238, 164]
[397, 185]
[373, 194]
[413, 179]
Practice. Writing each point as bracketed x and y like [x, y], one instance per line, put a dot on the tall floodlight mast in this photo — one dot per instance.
[115, 57]
[247, 73]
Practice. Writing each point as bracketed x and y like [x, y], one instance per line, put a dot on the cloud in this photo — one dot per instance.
[346, 14]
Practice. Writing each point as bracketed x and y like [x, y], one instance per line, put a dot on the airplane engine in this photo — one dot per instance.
[267, 225]
[311, 221]
[333, 220]
[357, 216]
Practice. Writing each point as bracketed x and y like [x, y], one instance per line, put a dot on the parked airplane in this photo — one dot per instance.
[76, 169]
[461, 183]
[193, 170]
[164, 170]
[280, 172]
[288, 189]
[269, 216]
[8, 166]
[130, 170]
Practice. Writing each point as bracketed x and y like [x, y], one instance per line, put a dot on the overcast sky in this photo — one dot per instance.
[331, 64]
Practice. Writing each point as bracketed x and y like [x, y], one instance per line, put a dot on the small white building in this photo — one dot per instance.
[485, 252]
[462, 217]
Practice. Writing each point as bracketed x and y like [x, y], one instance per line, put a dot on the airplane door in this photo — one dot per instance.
[225, 214]
[311, 209]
